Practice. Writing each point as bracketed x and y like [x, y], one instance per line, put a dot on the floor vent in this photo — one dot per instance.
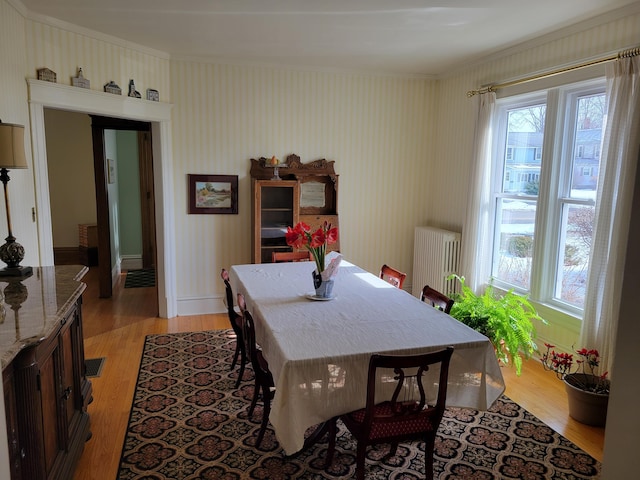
[94, 366]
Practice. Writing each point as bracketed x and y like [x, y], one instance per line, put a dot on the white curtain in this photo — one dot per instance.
[476, 235]
[620, 151]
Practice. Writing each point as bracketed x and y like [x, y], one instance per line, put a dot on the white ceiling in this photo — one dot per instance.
[424, 37]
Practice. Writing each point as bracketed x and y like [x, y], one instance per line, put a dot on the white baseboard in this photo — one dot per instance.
[201, 305]
[131, 262]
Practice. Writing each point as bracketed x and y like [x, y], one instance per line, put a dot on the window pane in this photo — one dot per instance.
[514, 241]
[586, 152]
[523, 153]
[575, 248]
[576, 226]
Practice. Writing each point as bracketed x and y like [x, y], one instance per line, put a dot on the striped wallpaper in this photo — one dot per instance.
[402, 146]
[456, 121]
[64, 51]
[14, 109]
[376, 128]
[456, 112]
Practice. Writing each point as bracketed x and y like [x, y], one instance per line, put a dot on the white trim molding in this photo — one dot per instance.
[201, 305]
[130, 262]
[52, 95]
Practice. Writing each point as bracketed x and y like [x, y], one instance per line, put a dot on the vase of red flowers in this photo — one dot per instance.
[315, 242]
[587, 391]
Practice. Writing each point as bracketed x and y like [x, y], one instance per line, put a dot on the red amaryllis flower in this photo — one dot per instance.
[297, 237]
[332, 235]
[318, 238]
[301, 236]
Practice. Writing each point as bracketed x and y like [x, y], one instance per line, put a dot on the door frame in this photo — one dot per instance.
[99, 124]
[53, 95]
[147, 200]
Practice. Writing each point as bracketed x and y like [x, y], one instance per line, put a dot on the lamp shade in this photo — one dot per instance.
[12, 146]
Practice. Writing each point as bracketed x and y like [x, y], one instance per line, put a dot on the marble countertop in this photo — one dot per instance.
[33, 307]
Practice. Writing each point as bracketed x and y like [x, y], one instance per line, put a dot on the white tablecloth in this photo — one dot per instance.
[318, 351]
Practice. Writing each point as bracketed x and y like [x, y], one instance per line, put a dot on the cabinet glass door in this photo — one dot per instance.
[276, 214]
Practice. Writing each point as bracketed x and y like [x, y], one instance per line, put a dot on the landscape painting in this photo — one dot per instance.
[213, 194]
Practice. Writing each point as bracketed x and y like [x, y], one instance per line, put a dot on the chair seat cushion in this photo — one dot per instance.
[397, 426]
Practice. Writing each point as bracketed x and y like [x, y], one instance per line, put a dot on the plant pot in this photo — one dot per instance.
[585, 407]
[324, 288]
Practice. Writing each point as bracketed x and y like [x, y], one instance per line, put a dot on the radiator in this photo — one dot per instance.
[436, 255]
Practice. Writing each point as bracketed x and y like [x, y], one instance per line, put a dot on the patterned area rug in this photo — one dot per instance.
[144, 277]
[189, 422]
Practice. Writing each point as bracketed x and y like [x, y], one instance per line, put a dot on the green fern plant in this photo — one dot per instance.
[506, 319]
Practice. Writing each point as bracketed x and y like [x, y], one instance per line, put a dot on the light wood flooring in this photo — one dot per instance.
[115, 329]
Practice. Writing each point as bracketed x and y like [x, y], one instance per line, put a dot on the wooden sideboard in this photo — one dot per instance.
[46, 392]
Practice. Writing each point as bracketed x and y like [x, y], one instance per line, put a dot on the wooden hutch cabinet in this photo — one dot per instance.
[304, 192]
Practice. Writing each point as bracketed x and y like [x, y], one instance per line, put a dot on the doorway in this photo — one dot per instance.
[75, 186]
[104, 170]
[48, 95]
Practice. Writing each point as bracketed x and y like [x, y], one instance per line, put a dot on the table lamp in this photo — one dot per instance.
[11, 156]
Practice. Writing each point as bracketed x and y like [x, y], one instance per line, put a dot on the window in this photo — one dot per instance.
[538, 153]
[544, 191]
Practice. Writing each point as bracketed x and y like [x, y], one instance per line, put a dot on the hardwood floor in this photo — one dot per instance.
[115, 329]
[543, 395]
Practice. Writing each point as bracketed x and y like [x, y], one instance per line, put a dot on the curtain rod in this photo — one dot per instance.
[631, 52]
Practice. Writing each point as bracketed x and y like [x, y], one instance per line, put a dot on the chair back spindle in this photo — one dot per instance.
[235, 320]
[392, 420]
[264, 384]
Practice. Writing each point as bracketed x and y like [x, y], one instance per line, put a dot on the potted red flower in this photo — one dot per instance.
[316, 242]
[587, 390]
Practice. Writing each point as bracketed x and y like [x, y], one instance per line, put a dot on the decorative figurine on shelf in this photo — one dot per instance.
[153, 95]
[132, 90]
[47, 75]
[80, 81]
[112, 87]
[275, 163]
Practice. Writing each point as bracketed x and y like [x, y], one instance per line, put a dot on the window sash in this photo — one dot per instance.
[554, 200]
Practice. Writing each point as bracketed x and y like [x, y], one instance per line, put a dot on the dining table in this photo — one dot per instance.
[318, 349]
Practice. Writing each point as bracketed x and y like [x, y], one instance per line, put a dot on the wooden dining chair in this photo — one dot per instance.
[235, 319]
[279, 257]
[264, 385]
[403, 415]
[436, 299]
[392, 276]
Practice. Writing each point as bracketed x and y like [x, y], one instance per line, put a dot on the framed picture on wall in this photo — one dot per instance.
[111, 170]
[212, 194]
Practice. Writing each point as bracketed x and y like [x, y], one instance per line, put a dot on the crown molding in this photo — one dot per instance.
[212, 60]
[70, 27]
[19, 6]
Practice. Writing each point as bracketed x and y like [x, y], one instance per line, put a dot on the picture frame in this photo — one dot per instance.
[212, 194]
[111, 170]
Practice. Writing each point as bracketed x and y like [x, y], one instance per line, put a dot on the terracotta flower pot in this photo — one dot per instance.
[584, 406]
